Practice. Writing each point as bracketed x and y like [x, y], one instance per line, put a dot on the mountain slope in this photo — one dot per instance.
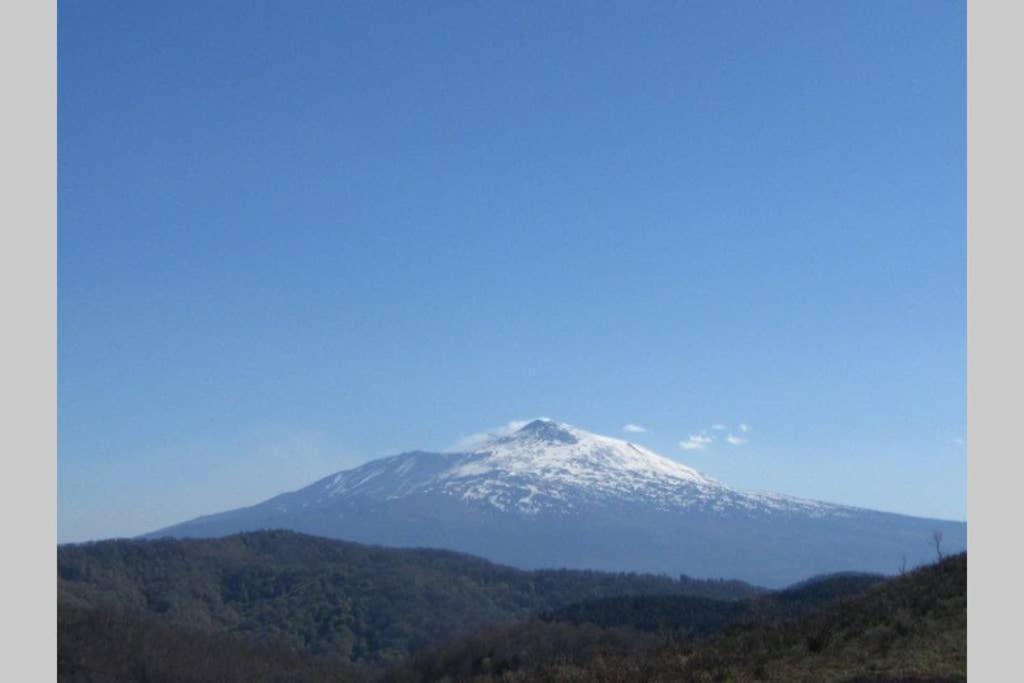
[360, 604]
[693, 616]
[553, 495]
[909, 629]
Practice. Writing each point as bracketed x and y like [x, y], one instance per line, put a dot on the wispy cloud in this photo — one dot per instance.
[634, 428]
[959, 441]
[706, 437]
[696, 442]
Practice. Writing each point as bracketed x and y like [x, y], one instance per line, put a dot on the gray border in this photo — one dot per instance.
[994, 336]
[28, 297]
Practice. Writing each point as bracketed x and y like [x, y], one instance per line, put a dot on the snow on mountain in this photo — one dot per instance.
[549, 494]
[547, 465]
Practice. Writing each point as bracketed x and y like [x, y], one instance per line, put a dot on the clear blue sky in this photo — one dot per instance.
[297, 236]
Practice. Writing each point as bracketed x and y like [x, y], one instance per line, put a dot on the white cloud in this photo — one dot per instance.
[696, 442]
[959, 441]
[705, 437]
[634, 428]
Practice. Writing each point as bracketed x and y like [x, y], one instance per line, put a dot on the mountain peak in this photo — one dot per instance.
[544, 429]
[547, 463]
[547, 493]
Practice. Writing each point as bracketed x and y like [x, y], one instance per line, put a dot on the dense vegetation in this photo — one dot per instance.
[690, 616]
[912, 628]
[280, 606]
[98, 646]
[343, 601]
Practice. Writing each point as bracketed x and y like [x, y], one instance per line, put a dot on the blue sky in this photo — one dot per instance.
[297, 236]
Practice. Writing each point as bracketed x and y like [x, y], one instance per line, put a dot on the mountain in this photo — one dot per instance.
[554, 495]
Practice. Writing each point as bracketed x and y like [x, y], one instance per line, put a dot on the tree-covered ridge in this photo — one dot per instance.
[280, 606]
[913, 627]
[842, 629]
[346, 601]
[694, 616]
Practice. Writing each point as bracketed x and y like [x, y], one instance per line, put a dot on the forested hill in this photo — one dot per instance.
[691, 616]
[102, 646]
[907, 629]
[361, 604]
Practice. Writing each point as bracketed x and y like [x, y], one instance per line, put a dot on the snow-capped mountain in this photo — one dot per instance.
[547, 466]
[554, 495]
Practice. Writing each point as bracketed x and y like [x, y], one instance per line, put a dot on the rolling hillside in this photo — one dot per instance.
[908, 629]
[353, 603]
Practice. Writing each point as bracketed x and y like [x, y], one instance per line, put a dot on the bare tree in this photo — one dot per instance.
[903, 565]
[937, 542]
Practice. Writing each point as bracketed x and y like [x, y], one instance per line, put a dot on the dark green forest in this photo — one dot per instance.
[345, 601]
[698, 616]
[99, 646]
[281, 606]
[910, 628]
